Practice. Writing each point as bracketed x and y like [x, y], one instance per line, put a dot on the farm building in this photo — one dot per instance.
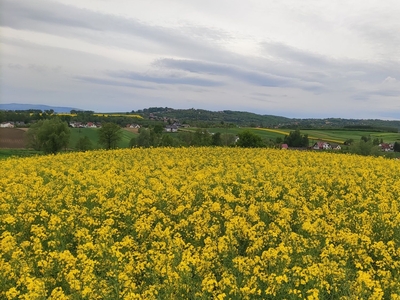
[7, 125]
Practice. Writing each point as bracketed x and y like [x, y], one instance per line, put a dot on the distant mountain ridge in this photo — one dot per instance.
[17, 106]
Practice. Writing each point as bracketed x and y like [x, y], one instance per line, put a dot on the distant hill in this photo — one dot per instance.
[203, 117]
[206, 118]
[17, 106]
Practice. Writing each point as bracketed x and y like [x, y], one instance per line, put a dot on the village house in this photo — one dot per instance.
[76, 124]
[171, 128]
[83, 125]
[137, 126]
[321, 145]
[90, 125]
[335, 146]
[386, 147]
[7, 125]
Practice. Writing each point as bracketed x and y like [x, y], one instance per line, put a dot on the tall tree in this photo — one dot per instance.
[109, 135]
[167, 141]
[396, 147]
[201, 137]
[144, 138]
[228, 139]
[84, 144]
[50, 135]
[365, 148]
[158, 128]
[296, 139]
[216, 139]
[248, 139]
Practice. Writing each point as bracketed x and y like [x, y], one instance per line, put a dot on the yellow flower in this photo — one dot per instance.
[182, 223]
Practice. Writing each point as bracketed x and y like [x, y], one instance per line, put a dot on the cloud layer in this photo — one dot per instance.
[297, 60]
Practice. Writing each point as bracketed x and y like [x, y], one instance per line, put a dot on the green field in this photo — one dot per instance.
[236, 130]
[6, 153]
[92, 134]
[388, 137]
[333, 135]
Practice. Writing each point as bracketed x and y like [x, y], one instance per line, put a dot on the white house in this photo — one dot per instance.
[91, 125]
[335, 146]
[321, 145]
[7, 125]
[172, 128]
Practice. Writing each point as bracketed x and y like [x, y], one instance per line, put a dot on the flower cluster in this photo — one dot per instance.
[200, 223]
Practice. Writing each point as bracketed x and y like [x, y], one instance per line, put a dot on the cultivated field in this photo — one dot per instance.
[334, 135]
[339, 136]
[12, 138]
[200, 223]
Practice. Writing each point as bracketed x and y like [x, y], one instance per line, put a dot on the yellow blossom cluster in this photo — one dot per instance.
[200, 223]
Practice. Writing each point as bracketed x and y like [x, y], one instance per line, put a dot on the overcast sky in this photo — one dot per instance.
[309, 58]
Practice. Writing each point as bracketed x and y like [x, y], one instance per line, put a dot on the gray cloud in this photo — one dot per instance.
[101, 81]
[253, 77]
[381, 29]
[387, 93]
[59, 19]
[294, 55]
[199, 67]
[347, 76]
[166, 80]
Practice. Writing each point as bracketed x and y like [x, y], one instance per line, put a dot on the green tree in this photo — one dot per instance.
[144, 138]
[364, 148]
[32, 136]
[167, 141]
[109, 135]
[132, 142]
[186, 138]
[158, 128]
[296, 139]
[366, 138]
[278, 140]
[84, 144]
[396, 147]
[216, 139]
[228, 139]
[248, 139]
[201, 137]
[155, 138]
[50, 135]
[348, 142]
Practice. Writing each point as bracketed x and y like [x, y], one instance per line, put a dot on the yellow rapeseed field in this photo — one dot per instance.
[200, 223]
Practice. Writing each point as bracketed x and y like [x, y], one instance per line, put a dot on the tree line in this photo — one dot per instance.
[31, 116]
[52, 135]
